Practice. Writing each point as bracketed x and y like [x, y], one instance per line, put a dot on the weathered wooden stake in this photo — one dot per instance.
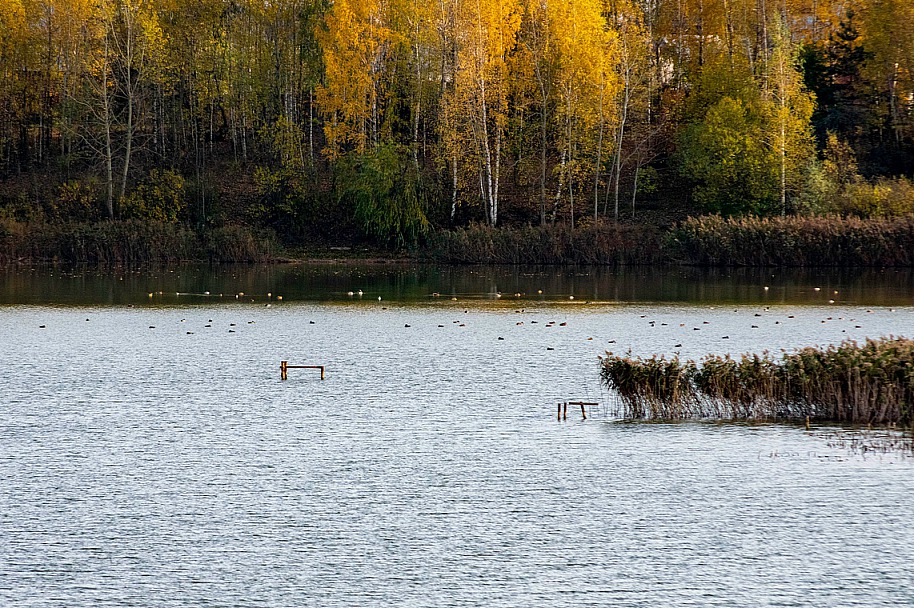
[583, 413]
[284, 370]
[559, 415]
[807, 423]
[565, 414]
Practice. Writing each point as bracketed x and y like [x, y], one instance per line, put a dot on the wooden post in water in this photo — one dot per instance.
[807, 423]
[583, 413]
[559, 415]
[284, 368]
[565, 414]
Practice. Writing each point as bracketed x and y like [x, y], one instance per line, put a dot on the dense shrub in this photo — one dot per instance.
[159, 197]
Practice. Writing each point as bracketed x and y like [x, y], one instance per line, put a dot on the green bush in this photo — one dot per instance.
[159, 198]
[386, 194]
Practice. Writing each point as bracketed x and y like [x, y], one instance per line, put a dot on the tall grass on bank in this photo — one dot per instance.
[852, 383]
[129, 243]
[793, 241]
[604, 244]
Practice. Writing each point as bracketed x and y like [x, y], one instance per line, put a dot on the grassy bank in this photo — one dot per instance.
[130, 243]
[853, 383]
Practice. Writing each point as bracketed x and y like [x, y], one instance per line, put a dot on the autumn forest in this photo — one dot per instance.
[383, 119]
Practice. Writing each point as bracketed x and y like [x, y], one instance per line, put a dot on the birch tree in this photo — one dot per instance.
[485, 34]
[790, 110]
[586, 85]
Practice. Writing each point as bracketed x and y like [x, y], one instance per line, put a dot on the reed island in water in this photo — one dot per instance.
[858, 383]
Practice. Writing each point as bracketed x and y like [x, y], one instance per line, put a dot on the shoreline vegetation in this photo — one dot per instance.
[791, 241]
[402, 127]
[132, 243]
[854, 383]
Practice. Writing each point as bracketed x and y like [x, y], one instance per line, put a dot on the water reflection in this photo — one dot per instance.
[418, 283]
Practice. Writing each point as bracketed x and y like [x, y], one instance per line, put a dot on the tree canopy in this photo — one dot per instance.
[386, 117]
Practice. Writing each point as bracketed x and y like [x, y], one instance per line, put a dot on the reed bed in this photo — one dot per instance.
[599, 244]
[856, 383]
[129, 243]
[240, 244]
[793, 241]
[705, 241]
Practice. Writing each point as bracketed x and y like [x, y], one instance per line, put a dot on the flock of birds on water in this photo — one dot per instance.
[550, 324]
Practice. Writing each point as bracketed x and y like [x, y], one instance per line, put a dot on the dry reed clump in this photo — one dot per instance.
[794, 241]
[658, 387]
[600, 243]
[869, 383]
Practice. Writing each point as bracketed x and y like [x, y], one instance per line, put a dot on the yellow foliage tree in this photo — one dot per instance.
[586, 83]
[476, 105]
[354, 43]
[790, 108]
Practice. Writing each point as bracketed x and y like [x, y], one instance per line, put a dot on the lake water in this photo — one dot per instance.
[150, 455]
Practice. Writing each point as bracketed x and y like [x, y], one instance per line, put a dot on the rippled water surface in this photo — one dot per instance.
[150, 455]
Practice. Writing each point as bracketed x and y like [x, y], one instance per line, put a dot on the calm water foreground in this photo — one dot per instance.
[150, 455]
